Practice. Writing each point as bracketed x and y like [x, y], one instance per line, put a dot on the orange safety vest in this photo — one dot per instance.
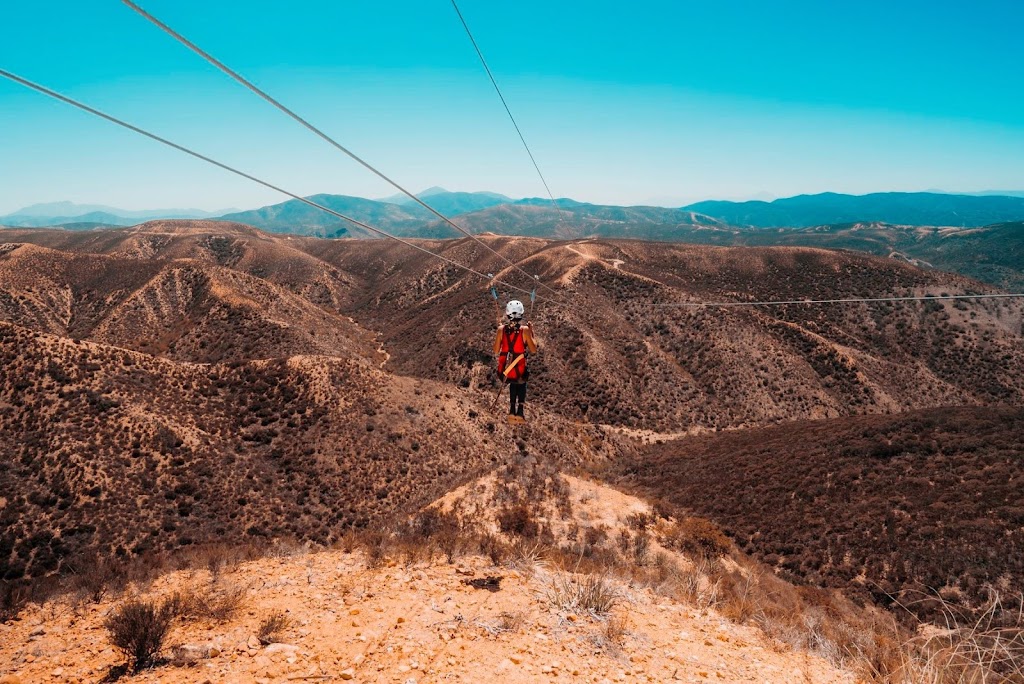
[513, 347]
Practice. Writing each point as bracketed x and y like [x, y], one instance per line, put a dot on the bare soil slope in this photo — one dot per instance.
[415, 617]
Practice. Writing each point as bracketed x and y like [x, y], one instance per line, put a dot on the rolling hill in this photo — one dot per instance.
[62, 213]
[185, 381]
[298, 218]
[452, 203]
[539, 218]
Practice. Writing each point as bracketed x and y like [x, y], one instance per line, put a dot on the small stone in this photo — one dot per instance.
[346, 674]
[516, 660]
[280, 648]
[253, 643]
[401, 619]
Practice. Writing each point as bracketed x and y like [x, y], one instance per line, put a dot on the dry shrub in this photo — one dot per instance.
[428, 530]
[989, 648]
[138, 629]
[349, 541]
[506, 623]
[698, 537]
[641, 548]
[518, 520]
[220, 605]
[271, 626]
[493, 547]
[510, 622]
[375, 545]
[736, 599]
[13, 599]
[639, 522]
[528, 557]
[615, 631]
[93, 577]
[694, 584]
[590, 594]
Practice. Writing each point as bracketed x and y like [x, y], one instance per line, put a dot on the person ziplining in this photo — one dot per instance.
[513, 344]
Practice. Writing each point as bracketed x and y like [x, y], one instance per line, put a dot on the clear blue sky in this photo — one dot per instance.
[640, 102]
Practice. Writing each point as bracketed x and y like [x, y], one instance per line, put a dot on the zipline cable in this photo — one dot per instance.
[922, 298]
[494, 82]
[181, 148]
[328, 139]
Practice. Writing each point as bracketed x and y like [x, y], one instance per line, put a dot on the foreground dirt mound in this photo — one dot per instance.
[418, 624]
[403, 617]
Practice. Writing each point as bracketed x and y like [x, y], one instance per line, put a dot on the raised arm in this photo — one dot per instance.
[497, 342]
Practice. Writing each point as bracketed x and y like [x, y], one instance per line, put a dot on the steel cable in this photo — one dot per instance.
[331, 141]
[91, 110]
[508, 111]
[854, 300]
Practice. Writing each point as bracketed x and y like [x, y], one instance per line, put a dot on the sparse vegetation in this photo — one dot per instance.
[272, 626]
[884, 508]
[138, 629]
[247, 405]
[587, 594]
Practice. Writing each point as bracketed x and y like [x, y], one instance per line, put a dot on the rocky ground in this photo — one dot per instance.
[415, 620]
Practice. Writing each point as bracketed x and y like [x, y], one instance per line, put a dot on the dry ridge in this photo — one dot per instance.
[404, 613]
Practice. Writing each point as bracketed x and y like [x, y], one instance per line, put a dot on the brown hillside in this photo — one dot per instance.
[624, 354]
[110, 451]
[906, 508]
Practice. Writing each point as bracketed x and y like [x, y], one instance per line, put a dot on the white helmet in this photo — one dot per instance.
[514, 309]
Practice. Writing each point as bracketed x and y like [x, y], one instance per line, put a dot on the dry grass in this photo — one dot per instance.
[528, 557]
[987, 649]
[220, 605]
[272, 626]
[586, 594]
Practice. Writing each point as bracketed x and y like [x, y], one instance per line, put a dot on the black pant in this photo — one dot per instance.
[516, 398]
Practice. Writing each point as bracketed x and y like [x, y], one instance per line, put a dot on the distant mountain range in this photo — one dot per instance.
[63, 213]
[493, 212]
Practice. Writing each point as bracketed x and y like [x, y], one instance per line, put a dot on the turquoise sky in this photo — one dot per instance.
[628, 103]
